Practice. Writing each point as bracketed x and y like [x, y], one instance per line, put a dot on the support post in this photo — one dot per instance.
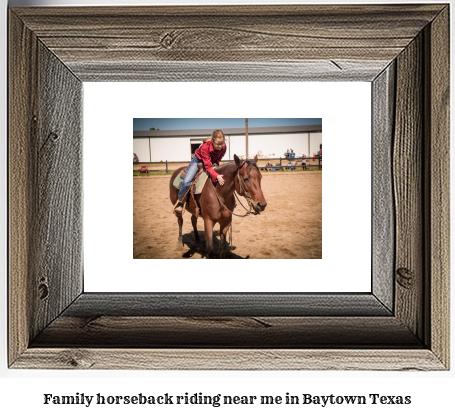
[246, 136]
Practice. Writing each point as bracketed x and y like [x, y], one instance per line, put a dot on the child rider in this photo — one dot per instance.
[210, 152]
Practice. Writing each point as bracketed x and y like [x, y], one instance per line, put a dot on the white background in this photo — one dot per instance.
[109, 109]
[22, 391]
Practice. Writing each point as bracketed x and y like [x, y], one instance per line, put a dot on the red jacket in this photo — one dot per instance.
[209, 156]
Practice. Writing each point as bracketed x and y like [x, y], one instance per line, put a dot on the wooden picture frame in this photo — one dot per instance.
[403, 324]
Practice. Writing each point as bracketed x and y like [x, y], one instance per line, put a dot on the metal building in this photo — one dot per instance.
[180, 145]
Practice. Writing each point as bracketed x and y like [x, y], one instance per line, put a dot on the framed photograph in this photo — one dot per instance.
[402, 323]
[289, 228]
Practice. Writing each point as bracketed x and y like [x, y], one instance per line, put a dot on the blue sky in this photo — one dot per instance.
[143, 124]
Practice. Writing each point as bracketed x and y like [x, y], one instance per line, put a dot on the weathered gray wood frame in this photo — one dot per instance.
[403, 50]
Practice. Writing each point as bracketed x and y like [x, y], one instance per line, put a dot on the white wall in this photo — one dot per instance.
[277, 143]
[142, 150]
[170, 149]
[273, 143]
[178, 148]
[315, 140]
[237, 146]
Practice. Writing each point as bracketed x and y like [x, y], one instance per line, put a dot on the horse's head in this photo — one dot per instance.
[249, 184]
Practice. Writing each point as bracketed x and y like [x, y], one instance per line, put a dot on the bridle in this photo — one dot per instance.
[245, 195]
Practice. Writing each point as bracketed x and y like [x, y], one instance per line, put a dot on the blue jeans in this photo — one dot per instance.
[191, 172]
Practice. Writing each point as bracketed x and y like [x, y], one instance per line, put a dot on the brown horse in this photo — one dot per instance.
[243, 177]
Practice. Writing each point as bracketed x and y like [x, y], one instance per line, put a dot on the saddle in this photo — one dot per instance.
[200, 167]
[196, 186]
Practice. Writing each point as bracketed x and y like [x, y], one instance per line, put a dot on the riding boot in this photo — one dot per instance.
[179, 206]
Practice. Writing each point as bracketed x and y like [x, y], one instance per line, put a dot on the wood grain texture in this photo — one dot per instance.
[236, 359]
[213, 305]
[328, 39]
[407, 173]
[255, 332]
[438, 257]
[45, 154]
[53, 49]
[57, 270]
[383, 215]
[21, 130]
[309, 70]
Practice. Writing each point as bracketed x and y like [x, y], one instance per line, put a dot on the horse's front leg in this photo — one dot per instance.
[224, 227]
[196, 233]
[180, 242]
[208, 231]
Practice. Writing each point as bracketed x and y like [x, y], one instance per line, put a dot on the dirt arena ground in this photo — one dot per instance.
[290, 226]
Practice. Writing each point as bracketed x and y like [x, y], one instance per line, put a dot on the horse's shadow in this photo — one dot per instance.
[190, 241]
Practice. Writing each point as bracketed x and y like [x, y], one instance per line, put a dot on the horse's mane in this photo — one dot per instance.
[249, 163]
[226, 167]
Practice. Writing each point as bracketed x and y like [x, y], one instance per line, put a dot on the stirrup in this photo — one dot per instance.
[176, 210]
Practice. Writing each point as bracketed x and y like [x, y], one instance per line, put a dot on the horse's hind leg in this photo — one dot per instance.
[180, 242]
[196, 234]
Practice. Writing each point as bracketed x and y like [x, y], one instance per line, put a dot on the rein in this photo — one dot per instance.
[222, 204]
[246, 195]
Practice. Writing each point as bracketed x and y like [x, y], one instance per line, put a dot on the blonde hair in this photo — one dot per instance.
[215, 134]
